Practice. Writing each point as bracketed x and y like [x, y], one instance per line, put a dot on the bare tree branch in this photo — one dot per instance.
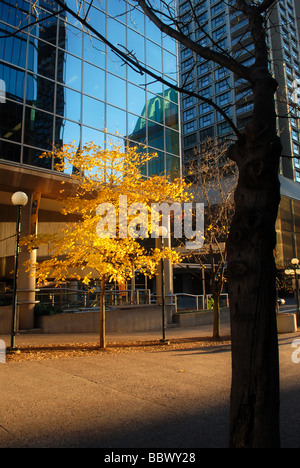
[205, 52]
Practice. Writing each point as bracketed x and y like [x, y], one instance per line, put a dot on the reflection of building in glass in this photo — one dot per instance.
[62, 84]
[158, 129]
[69, 86]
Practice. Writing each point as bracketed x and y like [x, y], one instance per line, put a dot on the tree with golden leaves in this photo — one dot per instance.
[110, 200]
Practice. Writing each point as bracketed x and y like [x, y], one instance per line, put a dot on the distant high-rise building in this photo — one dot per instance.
[222, 27]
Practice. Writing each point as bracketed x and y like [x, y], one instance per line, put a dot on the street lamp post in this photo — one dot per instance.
[162, 234]
[19, 199]
[295, 271]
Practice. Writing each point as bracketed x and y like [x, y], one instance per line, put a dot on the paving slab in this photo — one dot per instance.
[167, 398]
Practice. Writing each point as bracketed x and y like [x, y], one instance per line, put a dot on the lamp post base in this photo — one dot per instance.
[164, 341]
[11, 350]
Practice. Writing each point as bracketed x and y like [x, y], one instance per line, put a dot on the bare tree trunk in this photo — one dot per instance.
[102, 313]
[254, 410]
[216, 330]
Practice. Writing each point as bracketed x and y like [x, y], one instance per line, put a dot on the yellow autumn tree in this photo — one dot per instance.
[111, 202]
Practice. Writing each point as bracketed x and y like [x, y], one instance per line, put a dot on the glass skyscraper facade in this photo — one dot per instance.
[60, 83]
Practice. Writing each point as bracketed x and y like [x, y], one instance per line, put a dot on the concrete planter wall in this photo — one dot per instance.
[5, 320]
[286, 323]
[121, 319]
[193, 319]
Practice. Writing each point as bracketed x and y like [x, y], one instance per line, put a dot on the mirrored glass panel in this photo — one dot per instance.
[155, 110]
[116, 91]
[170, 64]
[68, 103]
[137, 130]
[42, 58]
[70, 38]
[153, 55]
[90, 134]
[157, 164]
[72, 71]
[173, 166]
[172, 141]
[40, 92]
[136, 99]
[13, 49]
[66, 132]
[94, 51]
[93, 112]
[136, 20]
[94, 81]
[14, 80]
[116, 120]
[136, 43]
[38, 128]
[117, 9]
[155, 135]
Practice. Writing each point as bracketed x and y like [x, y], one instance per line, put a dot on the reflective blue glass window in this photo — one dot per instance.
[41, 58]
[157, 164]
[136, 43]
[70, 39]
[68, 103]
[94, 51]
[94, 81]
[152, 32]
[116, 120]
[136, 20]
[171, 114]
[170, 64]
[14, 82]
[153, 55]
[155, 135]
[137, 129]
[155, 110]
[12, 49]
[172, 141]
[49, 29]
[173, 166]
[97, 18]
[93, 112]
[117, 9]
[116, 91]
[66, 132]
[14, 12]
[72, 71]
[136, 99]
[154, 86]
[40, 92]
[90, 134]
[38, 128]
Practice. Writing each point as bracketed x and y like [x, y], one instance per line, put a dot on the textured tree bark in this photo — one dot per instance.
[254, 405]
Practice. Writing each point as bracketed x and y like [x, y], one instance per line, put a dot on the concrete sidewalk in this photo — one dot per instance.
[172, 332]
[171, 398]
